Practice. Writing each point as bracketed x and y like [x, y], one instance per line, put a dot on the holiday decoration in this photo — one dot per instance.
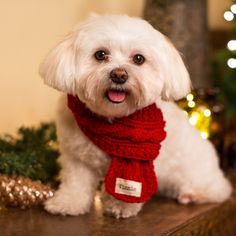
[224, 74]
[18, 191]
[30, 156]
[204, 111]
[224, 66]
[132, 142]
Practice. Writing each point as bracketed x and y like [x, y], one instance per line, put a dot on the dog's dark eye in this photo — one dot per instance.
[101, 55]
[138, 59]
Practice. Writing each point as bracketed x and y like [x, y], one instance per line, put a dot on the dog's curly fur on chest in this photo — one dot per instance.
[83, 64]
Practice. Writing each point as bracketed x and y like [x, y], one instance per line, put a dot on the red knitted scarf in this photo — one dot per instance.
[132, 142]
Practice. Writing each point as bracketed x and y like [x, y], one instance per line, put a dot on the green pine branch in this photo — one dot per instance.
[31, 154]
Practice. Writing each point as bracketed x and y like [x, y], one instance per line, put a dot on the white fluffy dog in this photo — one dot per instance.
[187, 166]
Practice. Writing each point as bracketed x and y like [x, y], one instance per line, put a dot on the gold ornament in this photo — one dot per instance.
[19, 191]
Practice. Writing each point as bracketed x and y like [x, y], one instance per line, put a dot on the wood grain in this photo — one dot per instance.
[159, 216]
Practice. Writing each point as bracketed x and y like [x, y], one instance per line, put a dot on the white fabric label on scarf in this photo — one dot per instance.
[128, 187]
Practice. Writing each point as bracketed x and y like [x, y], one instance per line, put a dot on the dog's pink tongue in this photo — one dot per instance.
[116, 96]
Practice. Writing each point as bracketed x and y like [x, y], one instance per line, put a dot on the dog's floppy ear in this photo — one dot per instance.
[176, 81]
[59, 67]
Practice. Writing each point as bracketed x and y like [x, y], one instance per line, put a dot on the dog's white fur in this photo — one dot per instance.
[187, 166]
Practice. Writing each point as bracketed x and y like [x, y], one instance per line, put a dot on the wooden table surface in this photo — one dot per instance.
[159, 216]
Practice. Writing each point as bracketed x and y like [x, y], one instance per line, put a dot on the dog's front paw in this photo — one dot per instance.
[120, 209]
[124, 210]
[66, 204]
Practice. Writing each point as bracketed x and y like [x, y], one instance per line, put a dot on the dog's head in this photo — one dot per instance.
[116, 64]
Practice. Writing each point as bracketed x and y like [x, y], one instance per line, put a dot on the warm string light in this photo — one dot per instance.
[230, 16]
[231, 63]
[199, 116]
[190, 98]
[97, 202]
[233, 8]
[207, 113]
[231, 45]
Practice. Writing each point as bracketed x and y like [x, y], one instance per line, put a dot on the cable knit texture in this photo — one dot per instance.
[132, 142]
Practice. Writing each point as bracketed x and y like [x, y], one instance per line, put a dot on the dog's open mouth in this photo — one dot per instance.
[116, 95]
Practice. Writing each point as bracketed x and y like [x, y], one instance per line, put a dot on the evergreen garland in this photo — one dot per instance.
[31, 154]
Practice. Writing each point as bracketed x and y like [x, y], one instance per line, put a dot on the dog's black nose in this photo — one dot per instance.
[119, 75]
